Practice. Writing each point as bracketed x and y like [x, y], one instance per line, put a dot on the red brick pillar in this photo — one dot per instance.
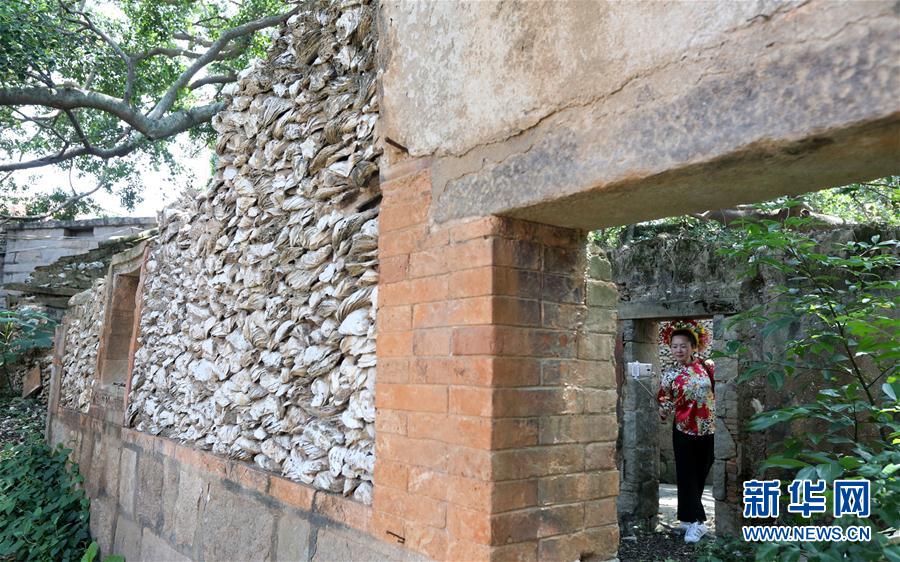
[495, 399]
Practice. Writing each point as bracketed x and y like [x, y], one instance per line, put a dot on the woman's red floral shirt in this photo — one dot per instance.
[688, 389]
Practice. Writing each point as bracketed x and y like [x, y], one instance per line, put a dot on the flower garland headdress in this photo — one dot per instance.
[701, 334]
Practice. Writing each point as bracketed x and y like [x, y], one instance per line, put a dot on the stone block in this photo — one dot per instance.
[109, 477]
[188, 507]
[600, 456]
[567, 488]
[724, 447]
[599, 374]
[333, 545]
[169, 495]
[85, 457]
[293, 539]
[562, 289]
[595, 347]
[601, 320]
[127, 479]
[31, 384]
[155, 549]
[598, 401]
[600, 512]
[576, 429]
[103, 513]
[148, 496]
[720, 479]
[602, 293]
[599, 269]
[728, 518]
[235, 526]
[128, 538]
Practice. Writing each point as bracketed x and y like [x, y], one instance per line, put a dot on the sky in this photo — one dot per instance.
[159, 188]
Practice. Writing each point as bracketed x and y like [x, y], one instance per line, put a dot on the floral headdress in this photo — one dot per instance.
[701, 334]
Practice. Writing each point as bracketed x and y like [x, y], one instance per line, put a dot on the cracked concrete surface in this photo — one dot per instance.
[761, 99]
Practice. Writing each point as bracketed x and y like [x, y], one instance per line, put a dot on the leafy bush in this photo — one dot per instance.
[43, 511]
[836, 309]
[92, 552]
[21, 331]
[724, 549]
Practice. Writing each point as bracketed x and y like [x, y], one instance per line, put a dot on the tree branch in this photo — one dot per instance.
[216, 79]
[39, 122]
[70, 201]
[151, 126]
[78, 130]
[128, 60]
[183, 36]
[209, 56]
[166, 51]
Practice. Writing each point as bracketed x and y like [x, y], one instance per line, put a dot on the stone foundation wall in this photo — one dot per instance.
[155, 499]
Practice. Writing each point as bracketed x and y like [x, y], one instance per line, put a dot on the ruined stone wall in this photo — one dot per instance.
[82, 340]
[257, 337]
[679, 276]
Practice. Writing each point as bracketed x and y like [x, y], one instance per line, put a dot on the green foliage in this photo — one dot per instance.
[131, 51]
[92, 552]
[836, 312]
[22, 330]
[876, 201]
[43, 511]
[673, 226]
[724, 549]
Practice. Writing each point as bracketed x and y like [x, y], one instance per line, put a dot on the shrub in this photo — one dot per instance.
[837, 310]
[43, 510]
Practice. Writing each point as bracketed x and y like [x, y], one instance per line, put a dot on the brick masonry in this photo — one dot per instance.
[495, 423]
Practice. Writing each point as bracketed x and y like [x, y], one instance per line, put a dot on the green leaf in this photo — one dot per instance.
[91, 552]
[808, 473]
[829, 471]
[783, 462]
[850, 463]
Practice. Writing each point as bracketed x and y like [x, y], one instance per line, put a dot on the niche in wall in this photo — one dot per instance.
[118, 331]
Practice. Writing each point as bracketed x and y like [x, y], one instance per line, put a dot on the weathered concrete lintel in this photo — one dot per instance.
[755, 131]
[130, 259]
[676, 309]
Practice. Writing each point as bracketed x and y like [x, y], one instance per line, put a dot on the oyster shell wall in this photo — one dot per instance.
[84, 320]
[257, 337]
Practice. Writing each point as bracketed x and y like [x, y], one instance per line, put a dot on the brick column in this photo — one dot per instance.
[495, 399]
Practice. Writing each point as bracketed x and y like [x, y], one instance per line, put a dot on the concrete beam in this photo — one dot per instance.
[676, 309]
[713, 110]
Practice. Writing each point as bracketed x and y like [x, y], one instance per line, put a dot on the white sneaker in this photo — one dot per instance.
[695, 532]
[683, 527]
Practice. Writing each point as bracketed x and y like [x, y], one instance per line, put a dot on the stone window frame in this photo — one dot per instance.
[110, 400]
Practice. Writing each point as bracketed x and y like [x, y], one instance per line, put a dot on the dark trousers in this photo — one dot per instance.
[693, 459]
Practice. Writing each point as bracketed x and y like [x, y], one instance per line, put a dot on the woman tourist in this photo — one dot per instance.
[688, 389]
